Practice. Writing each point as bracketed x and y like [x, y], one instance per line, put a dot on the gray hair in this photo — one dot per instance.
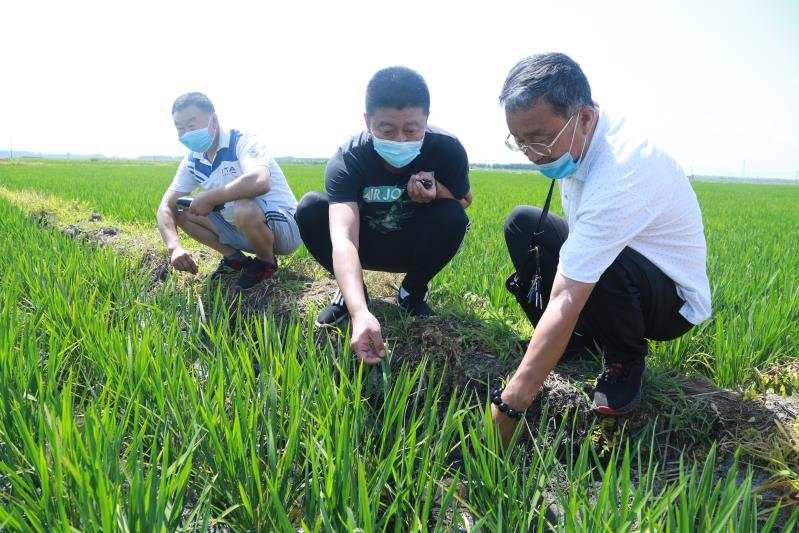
[555, 78]
[198, 100]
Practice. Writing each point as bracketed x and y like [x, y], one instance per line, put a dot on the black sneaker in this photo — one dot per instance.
[228, 267]
[336, 311]
[415, 305]
[255, 272]
[618, 387]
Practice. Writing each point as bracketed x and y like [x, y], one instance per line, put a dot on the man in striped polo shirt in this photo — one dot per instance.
[245, 203]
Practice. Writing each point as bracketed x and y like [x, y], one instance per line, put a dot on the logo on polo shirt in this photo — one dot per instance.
[228, 171]
[257, 151]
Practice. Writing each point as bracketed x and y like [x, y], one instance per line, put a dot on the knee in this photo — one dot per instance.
[183, 217]
[456, 217]
[312, 210]
[247, 212]
[450, 216]
[521, 221]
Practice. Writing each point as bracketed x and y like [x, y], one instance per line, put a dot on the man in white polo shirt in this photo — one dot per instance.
[245, 204]
[628, 262]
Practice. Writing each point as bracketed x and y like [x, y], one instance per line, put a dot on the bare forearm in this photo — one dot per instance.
[246, 186]
[167, 227]
[552, 333]
[349, 275]
[549, 340]
[546, 347]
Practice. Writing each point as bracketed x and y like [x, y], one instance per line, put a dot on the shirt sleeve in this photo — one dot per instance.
[184, 181]
[252, 153]
[341, 178]
[603, 227]
[455, 169]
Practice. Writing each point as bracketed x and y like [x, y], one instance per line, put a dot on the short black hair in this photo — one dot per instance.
[198, 100]
[555, 78]
[397, 88]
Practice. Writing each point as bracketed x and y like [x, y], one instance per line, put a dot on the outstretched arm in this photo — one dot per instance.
[167, 225]
[549, 340]
[367, 339]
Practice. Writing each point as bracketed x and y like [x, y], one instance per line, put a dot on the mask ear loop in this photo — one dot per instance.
[208, 129]
[585, 142]
[574, 131]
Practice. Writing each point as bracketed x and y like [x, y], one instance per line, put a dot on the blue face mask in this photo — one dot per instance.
[198, 140]
[560, 168]
[564, 166]
[395, 153]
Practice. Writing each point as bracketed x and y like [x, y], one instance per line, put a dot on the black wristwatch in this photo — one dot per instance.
[507, 410]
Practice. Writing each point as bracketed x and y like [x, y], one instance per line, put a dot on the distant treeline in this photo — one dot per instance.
[731, 179]
[5, 154]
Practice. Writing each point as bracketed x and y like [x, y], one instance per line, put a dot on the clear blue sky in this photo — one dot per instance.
[715, 83]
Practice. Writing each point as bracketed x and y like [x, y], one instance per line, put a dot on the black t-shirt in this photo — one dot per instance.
[358, 174]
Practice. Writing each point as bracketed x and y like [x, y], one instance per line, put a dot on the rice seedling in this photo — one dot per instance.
[125, 406]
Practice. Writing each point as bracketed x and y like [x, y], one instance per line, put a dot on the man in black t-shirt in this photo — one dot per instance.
[395, 202]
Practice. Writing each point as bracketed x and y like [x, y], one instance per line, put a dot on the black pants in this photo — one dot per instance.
[632, 301]
[421, 249]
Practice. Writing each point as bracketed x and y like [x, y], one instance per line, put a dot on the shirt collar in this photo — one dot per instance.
[597, 139]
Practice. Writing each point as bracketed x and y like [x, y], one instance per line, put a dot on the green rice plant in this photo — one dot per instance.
[756, 302]
[126, 406]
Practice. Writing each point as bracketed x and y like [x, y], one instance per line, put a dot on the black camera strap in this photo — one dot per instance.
[531, 269]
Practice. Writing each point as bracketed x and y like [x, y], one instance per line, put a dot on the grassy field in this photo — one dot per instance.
[132, 404]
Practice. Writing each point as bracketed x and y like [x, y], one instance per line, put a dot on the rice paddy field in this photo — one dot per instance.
[129, 400]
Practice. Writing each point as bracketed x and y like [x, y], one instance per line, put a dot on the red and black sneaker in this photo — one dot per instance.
[618, 387]
[228, 267]
[255, 272]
